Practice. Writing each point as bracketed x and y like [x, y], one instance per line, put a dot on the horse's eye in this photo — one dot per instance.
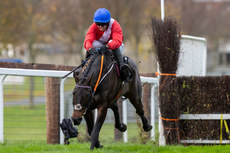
[77, 107]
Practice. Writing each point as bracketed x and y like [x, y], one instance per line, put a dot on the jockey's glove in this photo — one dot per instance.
[104, 48]
[92, 50]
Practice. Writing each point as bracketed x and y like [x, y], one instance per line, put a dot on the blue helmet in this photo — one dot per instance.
[102, 15]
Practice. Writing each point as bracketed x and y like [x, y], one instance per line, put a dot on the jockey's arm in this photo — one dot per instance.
[117, 37]
[90, 37]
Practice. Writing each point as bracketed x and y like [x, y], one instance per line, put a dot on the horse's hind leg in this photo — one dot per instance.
[120, 126]
[137, 103]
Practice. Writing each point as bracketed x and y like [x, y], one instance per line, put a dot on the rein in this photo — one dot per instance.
[99, 80]
[95, 88]
[99, 77]
[78, 106]
[106, 74]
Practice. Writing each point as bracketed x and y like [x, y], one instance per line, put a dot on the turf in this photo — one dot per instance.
[19, 120]
[115, 147]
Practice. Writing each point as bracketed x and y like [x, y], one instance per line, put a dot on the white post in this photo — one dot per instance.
[2, 77]
[153, 111]
[62, 83]
[162, 10]
[161, 131]
[95, 115]
[160, 125]
[124, 112]
[205, 58]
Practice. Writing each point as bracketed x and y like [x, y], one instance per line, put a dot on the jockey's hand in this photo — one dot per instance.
[92, 51]
[104, 48]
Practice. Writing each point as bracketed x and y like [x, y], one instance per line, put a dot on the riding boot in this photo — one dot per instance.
[124, 68]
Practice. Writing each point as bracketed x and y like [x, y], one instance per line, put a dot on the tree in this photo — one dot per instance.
[12, 15]
[207, 20]
[23, 22]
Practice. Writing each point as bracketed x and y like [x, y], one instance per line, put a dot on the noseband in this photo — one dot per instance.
[86, 87]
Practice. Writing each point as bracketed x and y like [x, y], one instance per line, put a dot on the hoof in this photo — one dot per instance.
[123, 127]
[98, 145]
[67, 142]
[147, 128]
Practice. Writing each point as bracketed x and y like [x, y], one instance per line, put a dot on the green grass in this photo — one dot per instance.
[20, 91]
[23, 123]
[25, 131]
[107, 132]
[115, 147]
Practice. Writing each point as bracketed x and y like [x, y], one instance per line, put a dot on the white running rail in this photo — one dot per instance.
[4, 72]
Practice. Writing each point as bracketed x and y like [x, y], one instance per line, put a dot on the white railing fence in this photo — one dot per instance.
[205, 117]
[4, 72]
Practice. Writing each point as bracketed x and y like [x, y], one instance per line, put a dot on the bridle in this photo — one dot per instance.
[78, 107]
[92, 91]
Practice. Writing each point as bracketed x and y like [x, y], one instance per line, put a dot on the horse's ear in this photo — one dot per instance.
[75, 77]
[76, 74]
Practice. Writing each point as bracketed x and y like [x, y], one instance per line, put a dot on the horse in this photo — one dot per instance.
[98, 86]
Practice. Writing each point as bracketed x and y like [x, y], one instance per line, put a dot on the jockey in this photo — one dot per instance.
[105, 33]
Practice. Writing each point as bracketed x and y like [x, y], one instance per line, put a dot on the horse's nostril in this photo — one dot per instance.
[76, 121]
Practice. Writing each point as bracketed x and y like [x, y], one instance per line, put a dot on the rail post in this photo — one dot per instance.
[2, 77]
[62, 83]
[53, 110]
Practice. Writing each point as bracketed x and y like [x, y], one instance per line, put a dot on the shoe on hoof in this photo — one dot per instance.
[123, 127]
[148, 128]
[98, 145]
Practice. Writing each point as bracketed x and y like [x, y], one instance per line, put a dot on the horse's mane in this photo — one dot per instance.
[87, 67]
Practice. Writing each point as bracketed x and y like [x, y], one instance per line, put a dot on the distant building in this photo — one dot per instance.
[218, 62]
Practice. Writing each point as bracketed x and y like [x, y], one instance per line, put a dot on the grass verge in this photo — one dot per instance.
[115, 147]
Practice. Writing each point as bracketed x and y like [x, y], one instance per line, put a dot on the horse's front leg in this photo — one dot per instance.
[102, 111]
[89, 118]
[120, 126]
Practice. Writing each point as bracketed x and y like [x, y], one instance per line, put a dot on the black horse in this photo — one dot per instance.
[98, 86]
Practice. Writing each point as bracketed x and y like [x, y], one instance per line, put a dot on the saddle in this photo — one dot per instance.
[125, 73]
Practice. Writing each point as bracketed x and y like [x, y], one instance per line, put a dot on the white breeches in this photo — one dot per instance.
[98, 44]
